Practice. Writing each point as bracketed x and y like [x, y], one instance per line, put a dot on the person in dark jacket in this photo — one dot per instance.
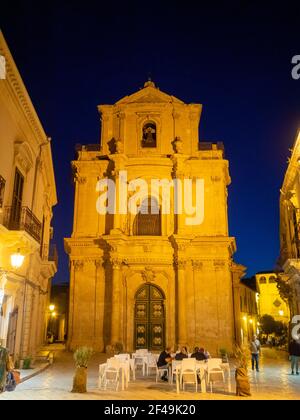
[182, 355]
[294, 351]
[199, 354]
[164, 360]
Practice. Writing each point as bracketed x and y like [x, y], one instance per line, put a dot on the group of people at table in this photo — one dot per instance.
[166, 357]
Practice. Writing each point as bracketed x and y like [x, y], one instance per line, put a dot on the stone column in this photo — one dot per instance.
[181, 316]
[116, 301]
[119, 160]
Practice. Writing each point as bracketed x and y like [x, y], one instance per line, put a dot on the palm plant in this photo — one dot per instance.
[82, 357]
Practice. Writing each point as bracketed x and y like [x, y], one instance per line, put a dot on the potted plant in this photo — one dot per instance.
[242, 356]
[82, 357]
[118, 348]
[27, 362]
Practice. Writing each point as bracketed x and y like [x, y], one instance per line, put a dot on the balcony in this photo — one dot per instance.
[23, 220]
[49, 253]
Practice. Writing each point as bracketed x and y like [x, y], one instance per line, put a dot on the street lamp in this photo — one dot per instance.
[51, 308]
[17, 259]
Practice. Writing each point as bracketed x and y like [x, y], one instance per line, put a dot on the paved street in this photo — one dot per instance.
[273, 382]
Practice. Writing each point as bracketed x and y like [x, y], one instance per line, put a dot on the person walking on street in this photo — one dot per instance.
[255, 350]
[294, 351]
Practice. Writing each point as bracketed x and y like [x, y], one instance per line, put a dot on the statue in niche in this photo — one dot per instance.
[149, 135]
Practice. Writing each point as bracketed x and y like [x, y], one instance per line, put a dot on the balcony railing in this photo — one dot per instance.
[22, 219]
[49, 253]
[210, 146]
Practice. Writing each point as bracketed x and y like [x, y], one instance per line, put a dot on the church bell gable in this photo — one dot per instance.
[148, 122]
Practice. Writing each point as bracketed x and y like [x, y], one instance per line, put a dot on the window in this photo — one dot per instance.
[149, 135]
[17, 199]
[2, 188]
[272, 279]
[148, 221]
[263, 280]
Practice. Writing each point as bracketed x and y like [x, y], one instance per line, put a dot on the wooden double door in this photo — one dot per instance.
[149, 318]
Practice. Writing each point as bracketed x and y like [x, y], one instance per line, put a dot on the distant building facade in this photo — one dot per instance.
[270, 302]
[289, 260]
[150, 279]
[246, 310]
[27, 195]
[58, 324]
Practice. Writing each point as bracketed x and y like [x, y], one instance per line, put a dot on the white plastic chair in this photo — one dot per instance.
[141, 351]
[214, 368]
[175, 364]
[188, 373]
[151, 363]
[112, 373]
[160, 371]
[140, 359]
[102, 368]
[122, 357]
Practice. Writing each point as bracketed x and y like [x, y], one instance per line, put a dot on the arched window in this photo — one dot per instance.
[149, 134]
[148, 221]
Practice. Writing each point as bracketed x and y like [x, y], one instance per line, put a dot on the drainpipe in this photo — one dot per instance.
[38, 159]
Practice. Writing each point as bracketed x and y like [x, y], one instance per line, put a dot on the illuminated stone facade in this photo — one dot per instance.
[27, 195]
[149, 281]
[289, 261]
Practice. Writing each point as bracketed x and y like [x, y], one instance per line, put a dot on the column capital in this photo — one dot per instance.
[78, 265]
[116, 263]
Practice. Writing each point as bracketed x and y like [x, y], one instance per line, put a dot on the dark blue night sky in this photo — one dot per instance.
[233, 57]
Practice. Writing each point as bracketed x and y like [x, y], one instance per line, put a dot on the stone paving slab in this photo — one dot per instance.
[274, 382]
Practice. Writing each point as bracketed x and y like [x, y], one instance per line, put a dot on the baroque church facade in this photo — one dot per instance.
[148, 279]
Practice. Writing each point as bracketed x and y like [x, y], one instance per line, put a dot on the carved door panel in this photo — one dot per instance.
[149, 318]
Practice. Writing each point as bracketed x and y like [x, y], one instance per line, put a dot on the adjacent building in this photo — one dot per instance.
[270, 302]
[289, 260]
[150, 276]
[27, 195]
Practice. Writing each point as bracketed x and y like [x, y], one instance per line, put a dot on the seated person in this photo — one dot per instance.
[199, 354]
[182, 355]
[208, 356]
[164, 360]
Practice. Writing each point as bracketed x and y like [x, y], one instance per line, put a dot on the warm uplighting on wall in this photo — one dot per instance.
[281, 313]
[251, 321]
[17, 259]
[53, 314]
[244, 318]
